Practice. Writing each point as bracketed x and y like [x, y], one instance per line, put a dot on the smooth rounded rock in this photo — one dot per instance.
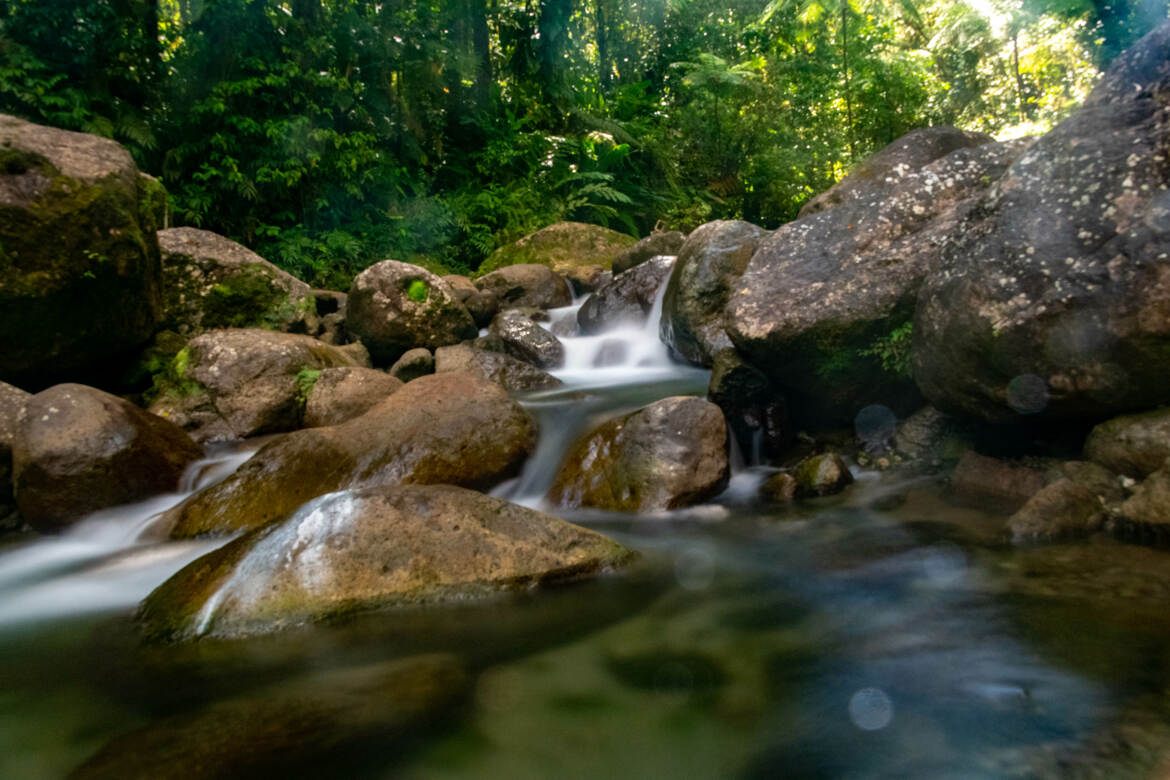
[525, 340]
[562, 246]
[821, 475]
[340, 394]
[666, 242]
[508, 372]
[1134, 444]
[413, 364]
[526, 285]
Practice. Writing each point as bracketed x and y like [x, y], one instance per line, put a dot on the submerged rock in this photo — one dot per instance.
[704, 278]
[1051, 297]
[821, 475]
[525, 340]
[367, 548]
[452, 428]
[394, 307]
[562, 246]
[779, 488]
[78, 450]
[627, 300]
[413, 364]
[524, 285]
[289, 728]
[340, 394]
[667, 242]
[231, 384]
[211, 282]
[980, 479]
[1134, 444]
[505, 370]
[669, 455]
[826, 303]
[79, 260]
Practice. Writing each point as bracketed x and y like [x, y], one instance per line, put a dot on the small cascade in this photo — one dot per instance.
[101, 562]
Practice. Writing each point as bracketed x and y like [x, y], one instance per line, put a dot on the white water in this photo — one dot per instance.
[101, 562]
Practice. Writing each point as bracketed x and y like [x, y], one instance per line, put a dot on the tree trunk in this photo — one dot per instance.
[554, 39]
[481, 42]
[602, 23]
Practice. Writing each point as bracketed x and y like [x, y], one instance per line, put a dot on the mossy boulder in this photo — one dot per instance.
[562, 246]
[825, 305]
[1051, 297]
[372, 547]
[211, 282]
[335, 395]
[231, 384]
[452, 428]
[79, 260]
[671, 454]
[1145, 517]
[821, 475]
[704, 277]
[1133, 444]
[394, 307]
[78, 450]
[667, 242]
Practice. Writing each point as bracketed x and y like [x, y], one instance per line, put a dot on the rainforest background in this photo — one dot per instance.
[330, 134]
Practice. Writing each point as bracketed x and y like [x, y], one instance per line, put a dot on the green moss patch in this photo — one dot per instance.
[246, 299]
[417, 290]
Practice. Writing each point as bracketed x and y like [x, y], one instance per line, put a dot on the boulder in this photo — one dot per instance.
[1052, 299]
[671, 454]
[562, 246]
[508, 372]
[753, 406]
[667, 242]
[704, 278]
[585, 279]
[525, 340]
[779, 488]
[332, 329]
[340, 394]
[394, 307]
[452, 428]
[284, 729]
[1061, 510]
[821, 475]
[826, 304]
[1145, 517]
[231, 384]
[12, 401]
[330, 302]
[483, 305]
[78, 450]
[462, 286]
[526, 285]
[367, 548]
[1134, 444]
[911, 152]
[925, 434]
[79, 261]
[627, 300]
[413, 364]
[982, 480]
[211, 282]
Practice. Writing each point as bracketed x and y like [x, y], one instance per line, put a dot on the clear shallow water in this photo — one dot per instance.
[830, 639]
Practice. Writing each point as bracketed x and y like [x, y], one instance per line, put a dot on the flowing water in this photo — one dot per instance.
[880, 633]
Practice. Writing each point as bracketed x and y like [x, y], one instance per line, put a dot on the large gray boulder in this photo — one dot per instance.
[394, 307]
[628, 299]
[669, 455]
[211, 282]
[526, 285]
[826, 303]
[373, 547]
[79, 261]
[1051, 297]
[452, 428]
[78, 450]
[666, 242]
[231, 384]
[705, 276]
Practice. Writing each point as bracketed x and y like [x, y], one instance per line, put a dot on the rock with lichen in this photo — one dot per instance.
[562, 246]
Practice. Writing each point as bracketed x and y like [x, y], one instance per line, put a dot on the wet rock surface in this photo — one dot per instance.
[12, 401]
[211, 282]
[821, 475]
[1050, 300]
[77, 450]
[704, 278]
[526, 285]
[1061, 510]
[231, 384]
[340, 394]
[755, 408]
[627, 299]
[525, 340]
[77, 224]
[380, 546]
[451, 428]
[1135, 445]
[506, 371]
[666, 242]
[1001, 484]
[671, 454]
[394, 307]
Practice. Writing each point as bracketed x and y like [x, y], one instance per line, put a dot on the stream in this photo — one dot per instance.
[883, 632]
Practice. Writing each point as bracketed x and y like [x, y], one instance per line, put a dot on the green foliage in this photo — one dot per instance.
[306, 380]
[893, 350]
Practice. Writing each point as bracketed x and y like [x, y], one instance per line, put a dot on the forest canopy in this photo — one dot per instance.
[329, 134]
